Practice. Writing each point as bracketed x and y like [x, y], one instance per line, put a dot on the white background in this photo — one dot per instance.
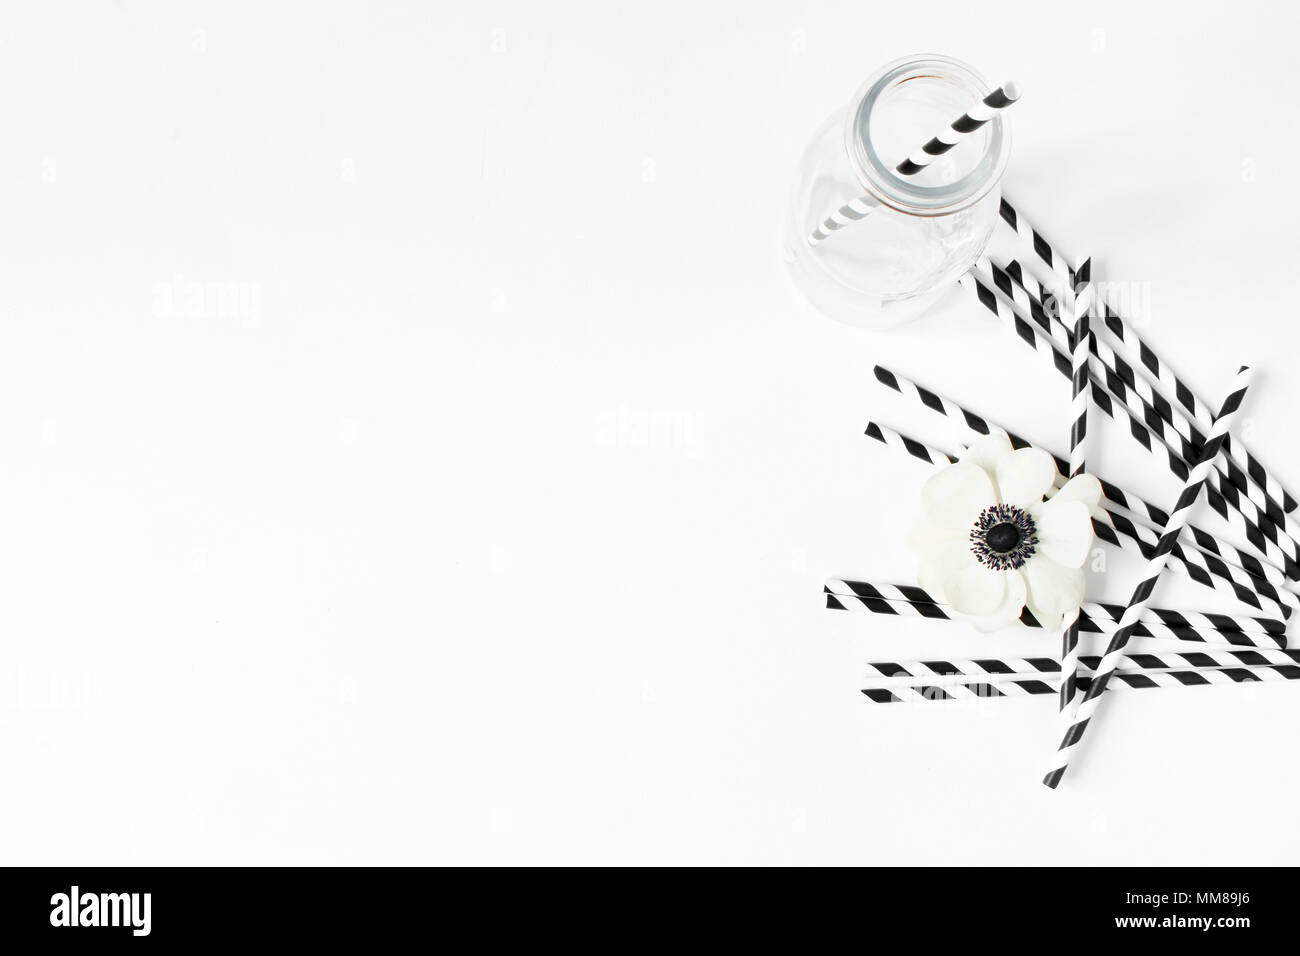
[411, 449]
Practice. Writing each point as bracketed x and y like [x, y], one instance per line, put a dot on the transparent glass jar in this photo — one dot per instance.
[899, 242]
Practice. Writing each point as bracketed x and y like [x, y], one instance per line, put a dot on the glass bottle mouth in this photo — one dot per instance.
[946, 83]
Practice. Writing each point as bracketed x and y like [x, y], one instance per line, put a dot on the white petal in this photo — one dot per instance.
[987, 451]
[1050, 622]
[976, 590]
[954, 497]
[1024, 476]
[1053, 590]
[927, 534]
[1064, 531]
[941, 562]
[1008, 612]
[1050, 619]
[994, 622]
[1083, 488]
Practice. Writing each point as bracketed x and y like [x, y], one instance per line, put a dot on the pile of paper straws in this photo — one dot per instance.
[1114, 372]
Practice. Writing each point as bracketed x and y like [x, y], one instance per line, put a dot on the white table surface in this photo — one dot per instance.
[411, 449]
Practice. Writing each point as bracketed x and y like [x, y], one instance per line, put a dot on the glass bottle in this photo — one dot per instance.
[874, 248]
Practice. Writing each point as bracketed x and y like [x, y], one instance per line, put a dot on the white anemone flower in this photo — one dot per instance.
[989, 545]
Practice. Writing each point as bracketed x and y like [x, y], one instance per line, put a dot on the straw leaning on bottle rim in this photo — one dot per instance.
[975, 117]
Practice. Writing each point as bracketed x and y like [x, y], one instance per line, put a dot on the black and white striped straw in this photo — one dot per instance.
[1265, 521]
[1141, 353]
[1079, 356]
[1258, 525]
[1249, 589]
[854, 210]
[1034, 299]
[858, 208]
[919, 450]
[1152, 515]
[1122, 533]
[1196, 627]
[1048, 254]
[1099, 617]
[1026, 685]
[1165, 622]
[1056, 335]
[1028, 333]
[1079, 302]
[1017, 666]
[973, 119]
[1119, 377]
[1091, 700]
[1172, 426]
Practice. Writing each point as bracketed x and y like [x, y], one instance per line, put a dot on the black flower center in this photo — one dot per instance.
[1003, 537]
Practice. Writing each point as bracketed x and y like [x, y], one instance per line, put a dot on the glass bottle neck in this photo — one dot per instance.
[899, 109]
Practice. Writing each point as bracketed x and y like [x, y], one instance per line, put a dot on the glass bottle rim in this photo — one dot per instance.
[901, 192]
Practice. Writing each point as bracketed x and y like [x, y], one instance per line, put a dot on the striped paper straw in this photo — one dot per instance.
[1030, 298]
[1096, 622]
[1013, 666]
[1109, 527]
[1266, 520]
[974, 118]
[1173, 427]
[1221, 640]
[923, 452]
[852, 211]
[858, 208]
[1088, 706]
[1241, 582]
[1213, 549]
[1200, 627]
[1057, 335]
[1171, 623]
[1048, 254]
[1079, 303]
[1119, 377]
[1152, 515]
[1140, 353]
[1258, 523]
[1029, 334]
[1031, 686]
[977, 424]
